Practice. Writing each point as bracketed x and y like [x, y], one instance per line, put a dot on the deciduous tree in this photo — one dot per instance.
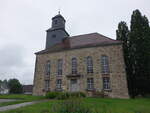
[14, 86]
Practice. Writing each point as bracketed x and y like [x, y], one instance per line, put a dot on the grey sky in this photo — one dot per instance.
[23, 24]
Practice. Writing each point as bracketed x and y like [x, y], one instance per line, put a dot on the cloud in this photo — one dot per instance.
[11, 56]
[12, 61]
[23, 24]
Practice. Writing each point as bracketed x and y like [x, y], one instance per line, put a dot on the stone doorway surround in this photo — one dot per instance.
[74, 85]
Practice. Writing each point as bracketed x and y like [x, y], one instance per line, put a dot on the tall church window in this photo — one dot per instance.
[58, 84]
[48, 68]
[90, 83]
[60, 67]
[74, 66]
[106, 83]
[47, 85]
[89, 64]
[105, 64]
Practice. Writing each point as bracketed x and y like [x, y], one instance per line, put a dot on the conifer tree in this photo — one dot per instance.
[123, 35]
[136, 46]
[139, 48]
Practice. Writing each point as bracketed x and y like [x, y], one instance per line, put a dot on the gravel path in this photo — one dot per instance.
[15, 106]
[7, 100]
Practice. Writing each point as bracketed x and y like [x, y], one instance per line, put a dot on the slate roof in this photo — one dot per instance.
[81, 41]
[59, 15]
[54, 29]
[90, 39]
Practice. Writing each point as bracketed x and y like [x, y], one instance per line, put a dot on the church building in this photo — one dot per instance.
[86, 63]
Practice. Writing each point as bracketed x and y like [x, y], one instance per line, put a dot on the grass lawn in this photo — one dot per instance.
[21, 98]
[101, 105]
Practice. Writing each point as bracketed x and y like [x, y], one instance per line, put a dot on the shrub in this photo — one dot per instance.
[99, 94]
[52, 95]
[81, 94]
[71, 106]
[78, 94]
[64, 95]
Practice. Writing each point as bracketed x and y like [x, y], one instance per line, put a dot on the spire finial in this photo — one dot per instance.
[58, 11]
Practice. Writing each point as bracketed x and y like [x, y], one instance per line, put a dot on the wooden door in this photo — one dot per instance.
[74, 85]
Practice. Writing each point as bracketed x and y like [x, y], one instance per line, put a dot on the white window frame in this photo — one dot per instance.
[59, 84]
[105, 64]
[89, 64]
[60, 67]
[48, 68]
[106, 83]
[47, 85]
[90, 83]
[74, 65]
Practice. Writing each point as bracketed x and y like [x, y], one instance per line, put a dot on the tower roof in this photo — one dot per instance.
[59, 16]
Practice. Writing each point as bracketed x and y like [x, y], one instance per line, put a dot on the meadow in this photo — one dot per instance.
[99, 105]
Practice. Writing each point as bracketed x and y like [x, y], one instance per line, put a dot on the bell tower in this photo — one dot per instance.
[57, 32]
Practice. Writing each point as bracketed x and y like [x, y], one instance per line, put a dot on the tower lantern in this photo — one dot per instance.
[57, 32]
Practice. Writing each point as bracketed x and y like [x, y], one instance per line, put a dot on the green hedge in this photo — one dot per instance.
[64, 95]
[52, 95]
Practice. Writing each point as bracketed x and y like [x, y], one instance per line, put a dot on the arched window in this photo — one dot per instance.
[47, 85]
[74, 66]
[90, 83]
[60, 66]
[48, 68]
[106, 83]
[89, 64]
[58, 84]
[105, 64]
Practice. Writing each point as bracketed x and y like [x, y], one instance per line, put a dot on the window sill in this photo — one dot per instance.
[105, 73]
[59, 76]
[58, 89]
[90, 89]
[90, 72]
[107, 90]
[46, 90]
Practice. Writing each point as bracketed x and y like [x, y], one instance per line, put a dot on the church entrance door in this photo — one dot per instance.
[74, 85]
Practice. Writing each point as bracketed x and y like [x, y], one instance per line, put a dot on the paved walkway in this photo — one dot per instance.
[7, 100]
[15, 106]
